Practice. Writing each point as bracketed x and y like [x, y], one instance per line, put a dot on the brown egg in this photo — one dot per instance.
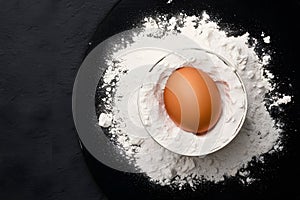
[192, 100]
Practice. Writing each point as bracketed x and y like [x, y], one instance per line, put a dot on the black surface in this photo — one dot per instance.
[42, 44]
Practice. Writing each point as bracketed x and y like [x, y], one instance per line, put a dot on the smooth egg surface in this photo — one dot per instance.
[192, 100]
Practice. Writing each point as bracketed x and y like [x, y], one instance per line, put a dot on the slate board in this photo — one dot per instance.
[42, 44]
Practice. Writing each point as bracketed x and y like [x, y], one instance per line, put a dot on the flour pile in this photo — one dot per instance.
[259, 134]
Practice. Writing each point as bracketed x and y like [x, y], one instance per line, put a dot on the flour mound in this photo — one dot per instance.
[258, 135]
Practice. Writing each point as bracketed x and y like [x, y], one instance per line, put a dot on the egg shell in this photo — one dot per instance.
[192, 100]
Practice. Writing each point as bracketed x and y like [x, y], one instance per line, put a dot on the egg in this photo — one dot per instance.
[192, 100]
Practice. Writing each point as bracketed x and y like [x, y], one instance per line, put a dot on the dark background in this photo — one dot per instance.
[42, 44]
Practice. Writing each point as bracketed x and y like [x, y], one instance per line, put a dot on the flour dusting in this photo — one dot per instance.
[257, 136]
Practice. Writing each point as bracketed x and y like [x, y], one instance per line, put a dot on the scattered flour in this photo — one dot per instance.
[266, 39]
[266, 59]
[284, 100]
[105, 120]
[257, 136]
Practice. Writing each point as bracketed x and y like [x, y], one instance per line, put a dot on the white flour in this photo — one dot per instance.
[105, 120]
[266, 39]
[257, 136]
